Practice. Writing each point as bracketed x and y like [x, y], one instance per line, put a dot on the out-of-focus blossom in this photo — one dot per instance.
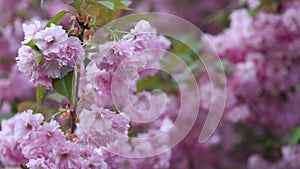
[262, 53]
[10, 84]
[10, 152]
[25, 139]
[290, 156]
[100, 126]
[124, 59]
[253, 3]
[195, 11]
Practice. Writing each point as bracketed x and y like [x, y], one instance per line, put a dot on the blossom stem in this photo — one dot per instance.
[76, 80]
[75, 97]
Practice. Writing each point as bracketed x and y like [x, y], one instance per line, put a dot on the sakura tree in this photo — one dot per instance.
[97, 84]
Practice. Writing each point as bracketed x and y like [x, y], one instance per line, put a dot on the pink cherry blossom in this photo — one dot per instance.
[51, 40]
[57, 54]
[100, 126]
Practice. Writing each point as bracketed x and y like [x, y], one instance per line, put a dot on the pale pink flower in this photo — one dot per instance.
[238, 114]
[28, 63]
[100, 126]
[57, 54]
[67, 155]
[30, 30]
[10, 152]
[27, 123]
[51, 40]
[41, 142]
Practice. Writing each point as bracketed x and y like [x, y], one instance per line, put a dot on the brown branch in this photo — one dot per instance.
[73, 122]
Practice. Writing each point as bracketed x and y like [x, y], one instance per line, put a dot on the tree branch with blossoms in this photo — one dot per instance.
[86, 92]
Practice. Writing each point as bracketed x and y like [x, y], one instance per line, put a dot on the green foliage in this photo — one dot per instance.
[115, 34]
[225, 67]
[183, 51]
[110, 4]
[31, 44]
[187, 53]
[222, 18]
[102, 11]
[268, 6]
[295, 136]
[5, 116]
[148, 83]
[37, 55]
[56, 97]
[161, 81]
[57, 18]
[78, 5]
[39, 94]
[267, 144]
[126, 2]
[86, 62]
[64, 86]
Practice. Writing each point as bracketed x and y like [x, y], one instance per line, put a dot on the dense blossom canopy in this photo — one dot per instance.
[69, 100]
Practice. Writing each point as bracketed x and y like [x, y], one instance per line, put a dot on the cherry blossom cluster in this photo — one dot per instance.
[35, 142]
[125, 60]
[264, 55]
[15, 13]
[53, 56]
[197, 12]
[110, 80]
[259, 52]
[27, 139]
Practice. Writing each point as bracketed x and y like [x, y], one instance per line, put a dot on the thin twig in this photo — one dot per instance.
[75, 97]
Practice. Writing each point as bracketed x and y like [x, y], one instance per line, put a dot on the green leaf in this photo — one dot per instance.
[108, 4]
[268, 6]
[120, 4]
[57, 18]
[225, 67]
[295, 136]
[103, 14]
[64, 86]
[77, 5]
[195, 65]
[39, 93]
[126, 2]
[38, 56]
[5, 116]
[86, 62]
[161, 80]
[31, 44]
[148, 83]
[56, 97]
